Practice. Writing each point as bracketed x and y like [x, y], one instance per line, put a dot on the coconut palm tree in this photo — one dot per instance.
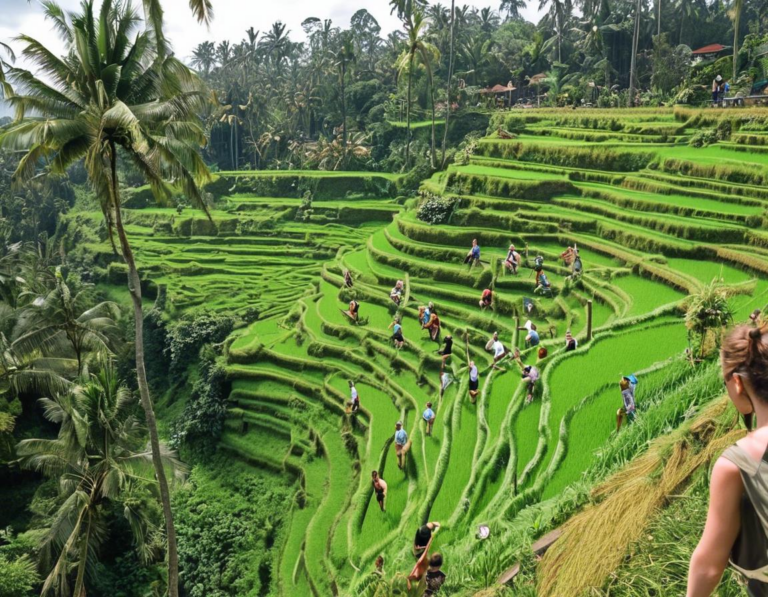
[449, 80]
[99, 462]
[343, 57]
[735, 14]
[415, 26]
[112, 94]
[204, 56]
[62, 318]
[5, 63]
[512, 8]
[560, 12]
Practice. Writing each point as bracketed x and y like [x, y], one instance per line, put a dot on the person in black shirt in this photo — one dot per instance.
[447, 348]
[435, 577]
[422, 538]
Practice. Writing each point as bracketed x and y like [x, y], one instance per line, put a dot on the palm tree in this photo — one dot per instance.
[633, 60]
[489, 20]
[559, 12]
[343, 57]
[449, 80]
[108, 95]
[512, 8]
[415, 27]
[98, 460]
[735, 14]
[204, 56]
[202, 10]
[6, 63]
[62, 318]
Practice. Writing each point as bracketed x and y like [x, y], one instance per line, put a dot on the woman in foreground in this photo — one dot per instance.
[737, 521]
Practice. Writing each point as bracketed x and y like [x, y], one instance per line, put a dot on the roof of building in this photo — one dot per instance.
[710, 49]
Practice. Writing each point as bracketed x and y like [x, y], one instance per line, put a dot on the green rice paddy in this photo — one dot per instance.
[649, 233]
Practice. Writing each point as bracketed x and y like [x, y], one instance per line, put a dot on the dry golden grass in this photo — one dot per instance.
[595, 542]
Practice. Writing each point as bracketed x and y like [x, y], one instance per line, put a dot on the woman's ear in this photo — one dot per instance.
[740, 396]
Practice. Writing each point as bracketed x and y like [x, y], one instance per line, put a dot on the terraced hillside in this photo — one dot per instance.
[654, 219]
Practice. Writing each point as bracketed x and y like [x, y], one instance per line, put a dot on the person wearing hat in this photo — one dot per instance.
[716, 88]
[513, 260]
[570, 342]
[627, 385]
[401, 439]
[429, 418]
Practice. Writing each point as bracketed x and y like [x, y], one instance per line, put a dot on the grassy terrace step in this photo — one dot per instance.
[653, 222]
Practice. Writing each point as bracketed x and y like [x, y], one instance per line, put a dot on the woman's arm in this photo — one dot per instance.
[723, 521]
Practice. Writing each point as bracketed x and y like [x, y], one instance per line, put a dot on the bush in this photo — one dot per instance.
[704, 138]
[435, 209]
[187, 337]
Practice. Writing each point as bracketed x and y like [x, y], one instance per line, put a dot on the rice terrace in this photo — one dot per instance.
[337, 313]
[654, 219]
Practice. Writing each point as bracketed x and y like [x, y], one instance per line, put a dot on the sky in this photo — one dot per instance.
[231, 19]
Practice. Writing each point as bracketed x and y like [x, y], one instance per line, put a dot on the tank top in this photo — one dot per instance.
[749, 554]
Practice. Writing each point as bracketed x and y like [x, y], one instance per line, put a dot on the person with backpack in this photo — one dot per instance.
[433, 325]
[486, 300]
[512, 261]
[473, 257]
[736, 530]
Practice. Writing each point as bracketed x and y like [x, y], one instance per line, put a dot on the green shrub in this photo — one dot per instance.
[435, 209]
[187, 336]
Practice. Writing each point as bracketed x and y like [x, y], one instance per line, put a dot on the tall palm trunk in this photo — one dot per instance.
[737, 7]
[134, 287]
[344, 112]
[448, 84]
[633, 63]
[408, 116]
[658, 17]
[433, 157]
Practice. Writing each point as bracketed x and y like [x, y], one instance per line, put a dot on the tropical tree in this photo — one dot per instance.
[5, 63]
[64, 318]
[99, 462]
[110, 94]
[633, 59]
[735, 15]
[449, 81]
[708, 313]
[204, 56]
[415, 27]
[559, 13]
[343, 57]
[512, 8]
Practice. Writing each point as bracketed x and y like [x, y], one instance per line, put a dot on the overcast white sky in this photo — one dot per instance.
[231, 18]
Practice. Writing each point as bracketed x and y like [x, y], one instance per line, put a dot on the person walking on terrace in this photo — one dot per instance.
[473, 257]
[435, 577]
[474, 381]
[353, 310]
[627, 385]
[396, 294]
[397, 333]
[423, 537]
[401, 439]
[447, 350]
[570, 342]
[433, 325]
[486, 300]
[380, 489]
[512, 261]
[429, 418]
[736, 530]
[354, 398]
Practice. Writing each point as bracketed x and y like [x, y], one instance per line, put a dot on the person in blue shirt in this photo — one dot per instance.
[429, 417]
[474, 253]
[401, 439]
[397, 333]
[532, 339]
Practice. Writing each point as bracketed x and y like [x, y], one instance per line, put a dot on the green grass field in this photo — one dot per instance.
[650, 229]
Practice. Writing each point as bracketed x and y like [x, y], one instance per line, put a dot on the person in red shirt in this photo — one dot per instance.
[486, 300]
